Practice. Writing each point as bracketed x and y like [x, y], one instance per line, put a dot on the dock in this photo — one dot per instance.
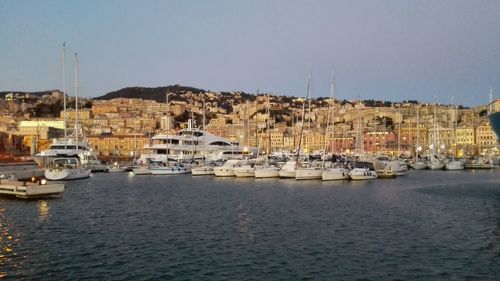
[28, 190]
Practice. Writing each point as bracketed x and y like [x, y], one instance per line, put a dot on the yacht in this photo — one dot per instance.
[169, 169]
[479, 163]
[205, 169]
[435, 163]
[66, 169]
[288, 170]
[337, 172]
[267, 171]
[309, 173]
[244, 171]
[363, 171]
[74, 145]
[454, 165]
[71, 148]
[192, 144]
[227, 169]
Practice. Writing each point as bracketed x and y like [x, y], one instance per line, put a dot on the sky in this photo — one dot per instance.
[430, 50]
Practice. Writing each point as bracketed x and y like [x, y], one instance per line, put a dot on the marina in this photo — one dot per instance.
[215, 228]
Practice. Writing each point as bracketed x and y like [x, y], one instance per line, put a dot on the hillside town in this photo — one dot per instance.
[120, 127]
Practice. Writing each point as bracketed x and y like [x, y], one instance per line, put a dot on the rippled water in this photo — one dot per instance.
[428, 225]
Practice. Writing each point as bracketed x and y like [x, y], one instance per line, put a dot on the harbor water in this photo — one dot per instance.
[427, 225]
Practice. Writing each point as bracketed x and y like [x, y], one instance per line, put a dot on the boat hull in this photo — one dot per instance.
[335, 174]
[308, 174]
[267, 173]
[202, 171]
[66, 174]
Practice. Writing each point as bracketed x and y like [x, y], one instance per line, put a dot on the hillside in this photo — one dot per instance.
[147, 93]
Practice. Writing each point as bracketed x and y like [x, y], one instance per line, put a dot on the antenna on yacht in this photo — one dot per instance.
[64, 93]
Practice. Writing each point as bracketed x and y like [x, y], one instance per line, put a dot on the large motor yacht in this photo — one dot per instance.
[192, 144]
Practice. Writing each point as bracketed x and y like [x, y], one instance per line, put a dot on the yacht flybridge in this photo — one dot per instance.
[192, 144]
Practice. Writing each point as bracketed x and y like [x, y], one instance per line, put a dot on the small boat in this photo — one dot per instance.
[419, 164]
[203, 170]
[338, 172]
[310, 173]
[244, 171]
[227, 169]
[174, 169]
[288, 170]
[480, 163]
[269, 171]
[454, 165]
[141, 170]
[117, 168]
[363, 171]
[66, 169]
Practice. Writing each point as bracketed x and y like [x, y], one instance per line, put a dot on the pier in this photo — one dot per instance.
[28, 190]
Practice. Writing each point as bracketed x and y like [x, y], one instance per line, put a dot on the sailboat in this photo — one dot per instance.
[435, 162]
[419, 163]
[454, 164]
[267, 170]
[289, 170]
[68, 168]
[361, 170]
[338, 171]
[310, 172]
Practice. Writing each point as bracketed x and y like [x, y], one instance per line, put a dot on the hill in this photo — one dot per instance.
[157, 93]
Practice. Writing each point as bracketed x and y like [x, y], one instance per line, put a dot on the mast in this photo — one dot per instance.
[399, 130]
[268, 126]
[76, 100]
[329, 114]
[418, 130]
[64, 95]
[203, 120]
[303, 116]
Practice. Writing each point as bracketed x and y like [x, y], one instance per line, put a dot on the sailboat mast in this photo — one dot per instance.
[203, 121]
[329, 112]
[267, 125]
[76, 100]
[303, 116]
[64, 94]
[418, 130]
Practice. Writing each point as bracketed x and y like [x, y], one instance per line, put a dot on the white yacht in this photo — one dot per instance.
[267, 171]
[337, 172]
[70, 148]
[435, 163]
[192, 144]
[203, 170]
[244, 171]
[170, 169]
[227, 169]
[309, 173]
[454, 165]
[288, 170]
[363, 171]
[66, 169]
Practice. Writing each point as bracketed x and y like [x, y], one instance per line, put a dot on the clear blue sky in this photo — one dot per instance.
[387, 50]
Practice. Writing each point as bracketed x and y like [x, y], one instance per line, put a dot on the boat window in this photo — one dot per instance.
[161, 151]
[220, 143]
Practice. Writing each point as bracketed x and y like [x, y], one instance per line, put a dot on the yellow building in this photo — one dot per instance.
[118, 145]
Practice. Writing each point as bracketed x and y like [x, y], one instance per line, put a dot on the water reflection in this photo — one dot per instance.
[43, 210]
[9, 241]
